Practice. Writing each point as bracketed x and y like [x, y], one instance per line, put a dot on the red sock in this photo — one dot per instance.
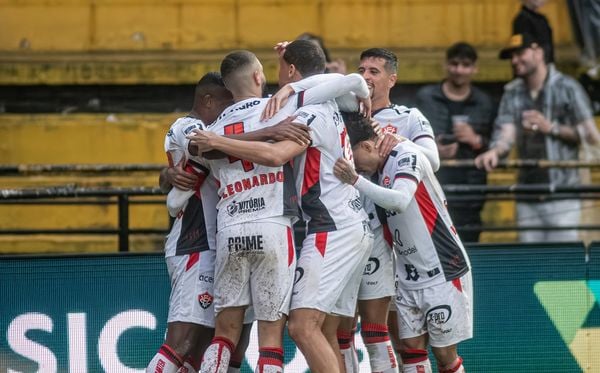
[270, 357]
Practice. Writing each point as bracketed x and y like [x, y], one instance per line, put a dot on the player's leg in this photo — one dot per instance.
[228, 329]
[345, 338]
[304, 328]
[413, 352]
[374, 332]
[189, 320]
[271, 286]
[445, 332]
[376, 289]
[237, 358]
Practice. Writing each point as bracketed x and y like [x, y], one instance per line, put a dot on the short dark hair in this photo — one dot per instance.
[461, 50]
[210, 83]
[235, 61]
[391, 61]
[358, 127]
[306, 56]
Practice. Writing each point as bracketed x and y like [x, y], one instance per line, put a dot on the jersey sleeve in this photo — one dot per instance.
[418, 125]
[310, 118]
[176, 141]
[408, 166]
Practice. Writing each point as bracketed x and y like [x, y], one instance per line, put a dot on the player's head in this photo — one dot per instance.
[211, 97]
[379, 67]
[461, 64]
[362, 137]
[301, 58]
[243, 74]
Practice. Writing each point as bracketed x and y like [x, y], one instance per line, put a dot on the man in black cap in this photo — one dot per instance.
[548, 115]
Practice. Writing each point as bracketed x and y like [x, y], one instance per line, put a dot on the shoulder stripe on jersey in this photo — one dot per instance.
[206, 170]
[421, 136]
[404, 175]
[300, 101]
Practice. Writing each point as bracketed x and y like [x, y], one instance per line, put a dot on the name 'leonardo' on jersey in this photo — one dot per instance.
[249, 191]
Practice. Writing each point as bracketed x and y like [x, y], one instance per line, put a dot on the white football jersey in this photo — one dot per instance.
[249, 191]
[406, 122]
[428, 249]
[327, 203]
[194, 228]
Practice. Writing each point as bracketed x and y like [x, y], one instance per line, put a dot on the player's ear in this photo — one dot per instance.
[392, 80]
[291, 70]
[207, 100]
[257, 78]
[367, 146]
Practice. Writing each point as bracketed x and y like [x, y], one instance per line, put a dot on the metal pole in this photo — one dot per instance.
[123, 223]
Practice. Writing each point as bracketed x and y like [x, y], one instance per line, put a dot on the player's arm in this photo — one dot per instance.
[422, 135]
[428, 147]
[396, 199]
[264, 153]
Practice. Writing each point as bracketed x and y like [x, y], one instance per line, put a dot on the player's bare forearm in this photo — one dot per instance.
[163, 182]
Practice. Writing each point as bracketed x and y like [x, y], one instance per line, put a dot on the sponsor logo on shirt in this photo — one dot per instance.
[410, 160]
[245, 243]
[205, 299]
[408, 251]
[252, 182]
[355, 204]
[247, 206]
[189, 129]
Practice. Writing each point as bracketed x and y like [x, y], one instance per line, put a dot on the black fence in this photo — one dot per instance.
[122, 197]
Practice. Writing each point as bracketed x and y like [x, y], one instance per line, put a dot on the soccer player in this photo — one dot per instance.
[189, 249]
[432, 267]
[255, 254]
[338, 239]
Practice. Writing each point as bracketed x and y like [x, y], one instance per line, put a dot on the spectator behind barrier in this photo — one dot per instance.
[547, 114]
[532, 22]
[462, 118]
[332, 66]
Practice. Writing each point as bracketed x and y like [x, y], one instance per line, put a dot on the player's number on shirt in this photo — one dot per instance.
[346, 147]
[236, 129]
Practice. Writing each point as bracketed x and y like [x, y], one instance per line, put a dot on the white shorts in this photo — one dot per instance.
[330, 268]
[444, 311]
[192, 278]
[378, 276]
[255, 266]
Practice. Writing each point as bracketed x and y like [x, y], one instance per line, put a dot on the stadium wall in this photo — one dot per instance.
[537, 309]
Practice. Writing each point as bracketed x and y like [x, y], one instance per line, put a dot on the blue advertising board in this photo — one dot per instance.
[536, 308]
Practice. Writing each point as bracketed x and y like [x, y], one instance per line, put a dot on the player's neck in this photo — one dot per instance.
[380, 103]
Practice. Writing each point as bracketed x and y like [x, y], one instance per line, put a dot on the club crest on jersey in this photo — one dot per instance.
[205, 299]
[387, 181]
[390, 129]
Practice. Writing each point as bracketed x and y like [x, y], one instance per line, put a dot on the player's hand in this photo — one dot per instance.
[387, 143]
[276, 101]
[376, 127]
[202, 140]
[364, 106]
[280, 47]
[288, 130]
[344, 170]
[487, 160]
[180, 178]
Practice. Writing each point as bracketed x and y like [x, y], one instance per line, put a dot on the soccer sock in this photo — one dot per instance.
[415, 361]
[165, 361]
[234, 366]
[381, 352]
[345, 340]
[190, 366]
[454, 367]
[270, 360]
[217, 355]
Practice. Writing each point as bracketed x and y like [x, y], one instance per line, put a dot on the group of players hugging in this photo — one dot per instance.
[330, 151]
